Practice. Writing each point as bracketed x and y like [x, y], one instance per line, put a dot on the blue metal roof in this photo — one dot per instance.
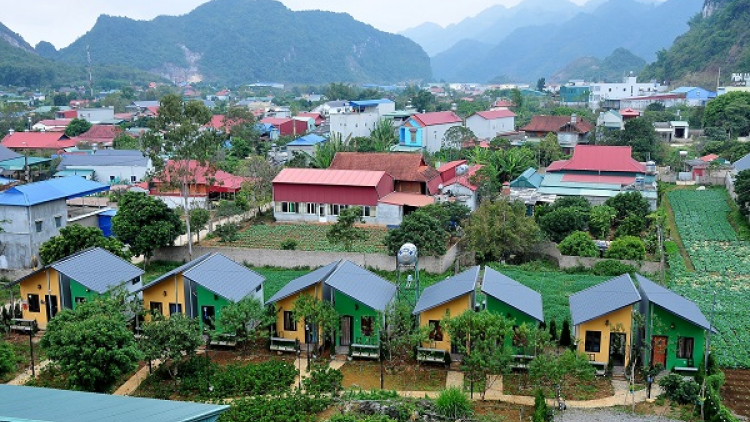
[602, 299]
[301, 283]
[22, 403]
[50, 190]
[369, 103]
[512, 293]
[362, 285]
[224, 277]
[449, 289]
[307, 140]
[672, 302]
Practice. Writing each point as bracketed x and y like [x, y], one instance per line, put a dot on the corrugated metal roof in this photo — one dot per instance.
[600, 158]
[437, 118]
[602, 299]
[50, 190]
[101, 158]
[46, 404]
[225, 277]
[98, 270]
[410, 199]
[302, 283]
[311, 139]
[513, 293]
[8, 154]
[742, 164]
[447, 290]
[672, 302]
[528, 179]
[181, 269]
[330, 177]
[495, 114]
[369, 103]
[362, 285]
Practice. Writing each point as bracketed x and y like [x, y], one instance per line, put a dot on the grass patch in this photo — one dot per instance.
[519, 384]
[156, 269]
[365, 375]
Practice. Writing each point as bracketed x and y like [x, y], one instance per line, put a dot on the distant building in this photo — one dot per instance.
[107, 166]
[97, 115]
[52, 142]
[570, 130]
[604, 93]
[695, 96]
[426, 131]
[305, 144]
[359, 117]
[489, 124]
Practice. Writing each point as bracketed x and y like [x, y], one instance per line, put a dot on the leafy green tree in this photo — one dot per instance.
[560, 222]
[476, 335]
[549, 150]
[424, 101]
[325, 151]
[7, 357]
[317, 313]
[77, 126]
[542, 412]
[125, 141]
[730, 112]
[423, 230]
[241, 125]
[171, 339]
[258, 190]
[454, 139]
[511, 163]
[92, 345]
[340, 91]
[640, 135]
[601, 219]
[553, 330]
[247, 318]
[145, 223]
[383, 136]
[344, 231]
[540, 84]
[178, 133]
[742, 189]
[75, 238]
[629, 203]
[449, 214]
[199, 218]
[632, 225]
[402, 334]
[578, 243]
[499, 229]
[550, 369]
[626, 247]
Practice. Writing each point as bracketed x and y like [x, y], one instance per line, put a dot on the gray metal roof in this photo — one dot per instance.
[742, 164]
[178, 270]
[98, 270]
[362, 285]
[447, 290]
[8, 154]
[602, 299]
[105, 159]
[672, 302]
[225, 277]
[46, 404]
[512, 293]
[302, 283]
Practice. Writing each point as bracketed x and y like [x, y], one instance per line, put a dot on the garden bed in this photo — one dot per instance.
[519, 384]
[365, 375]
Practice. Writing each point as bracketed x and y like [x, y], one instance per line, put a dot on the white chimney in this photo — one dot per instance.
[573, 119]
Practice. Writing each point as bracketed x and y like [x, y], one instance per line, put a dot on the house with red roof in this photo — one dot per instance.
[319, 195]
[570, 130]
[457, 183]
[205, 183]
[317, 117]
[101, 135]
[489, 124]
[599, 172]
[410, 172]
[426, 131]
[50, 142]
[287, 126]
[51, 125]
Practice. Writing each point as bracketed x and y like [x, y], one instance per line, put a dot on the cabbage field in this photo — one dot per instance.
[722, 265]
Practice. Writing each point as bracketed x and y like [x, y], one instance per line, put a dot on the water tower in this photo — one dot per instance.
[407, 266]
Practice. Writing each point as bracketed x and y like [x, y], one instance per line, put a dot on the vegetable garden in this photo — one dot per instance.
[722, 265]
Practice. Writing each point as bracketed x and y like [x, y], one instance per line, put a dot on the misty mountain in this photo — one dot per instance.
[242, 41]
[615, 66]
[491, 25]
[533, 52]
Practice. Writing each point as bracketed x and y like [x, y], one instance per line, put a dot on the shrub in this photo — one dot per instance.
[227, 232]
[289, 244]
[578, 243]
[612, 268]
[561, 222]
[453, 403]
[632, 225]
[323, 379]
[294, 407]
[542, 412]
[565, 339]
[553, 330]
[679, 389]
[7, 358]
[626, 247]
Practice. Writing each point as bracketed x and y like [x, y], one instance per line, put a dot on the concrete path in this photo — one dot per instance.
[24, 377]
[134, 382]
[454, 379]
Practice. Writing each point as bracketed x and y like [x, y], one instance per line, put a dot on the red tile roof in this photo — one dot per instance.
[708, 158]
[450, 165]
[276, 121]
[410, 199]
[318, 118]
[218, 180]
[330, 177]
[401, 166]
[503, 103]
[54, 122]
[599, 158]
[38, 140]
[465, 180]
[103, 134]
[629, 112]
[496, 114]
[437, 118]
[556, 124]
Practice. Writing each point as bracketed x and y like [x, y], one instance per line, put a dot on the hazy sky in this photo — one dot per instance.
[62, 21]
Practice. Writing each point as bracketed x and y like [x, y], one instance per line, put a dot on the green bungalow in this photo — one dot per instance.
[675, 328]
[514, 301]
[202, 287]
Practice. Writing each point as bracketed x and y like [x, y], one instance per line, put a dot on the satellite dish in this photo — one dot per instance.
[407, 254]
[462, 169]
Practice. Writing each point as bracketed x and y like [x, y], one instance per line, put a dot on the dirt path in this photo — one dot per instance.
[24, 377]
[133, 382]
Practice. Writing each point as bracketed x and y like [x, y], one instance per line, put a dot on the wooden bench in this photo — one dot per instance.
[685, 369]
[222, 339]
[365, 351]
[23, 325]
[425, 354]
[280, 344]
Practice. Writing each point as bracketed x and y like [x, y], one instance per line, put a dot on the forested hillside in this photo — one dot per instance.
[242, 41]
[618, 64]
[718, 38]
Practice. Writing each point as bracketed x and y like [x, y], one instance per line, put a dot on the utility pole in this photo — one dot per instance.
[705, 356]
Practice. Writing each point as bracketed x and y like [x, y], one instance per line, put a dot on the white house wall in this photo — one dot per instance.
[20, 241]
[488, 129]
[103, 174]
[433, 136]
[353, 124]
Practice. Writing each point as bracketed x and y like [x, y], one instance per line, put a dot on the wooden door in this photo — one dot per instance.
[659, 350]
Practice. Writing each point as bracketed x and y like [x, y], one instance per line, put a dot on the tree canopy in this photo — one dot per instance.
[77, 126]
[75, 238]
[730, 112]
[344, 230]
[421, 229]
[499, 229]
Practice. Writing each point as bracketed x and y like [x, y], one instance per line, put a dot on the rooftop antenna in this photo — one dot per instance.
[91, 77]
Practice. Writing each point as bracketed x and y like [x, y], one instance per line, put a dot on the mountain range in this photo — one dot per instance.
[536, 50]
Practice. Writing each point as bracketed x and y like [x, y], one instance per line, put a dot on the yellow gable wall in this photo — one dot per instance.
[287, 304]
[43, 283]
[440, 313]
[175, 293]
[620, 320]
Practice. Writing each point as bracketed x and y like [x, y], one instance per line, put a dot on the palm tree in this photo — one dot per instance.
[383, 136]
